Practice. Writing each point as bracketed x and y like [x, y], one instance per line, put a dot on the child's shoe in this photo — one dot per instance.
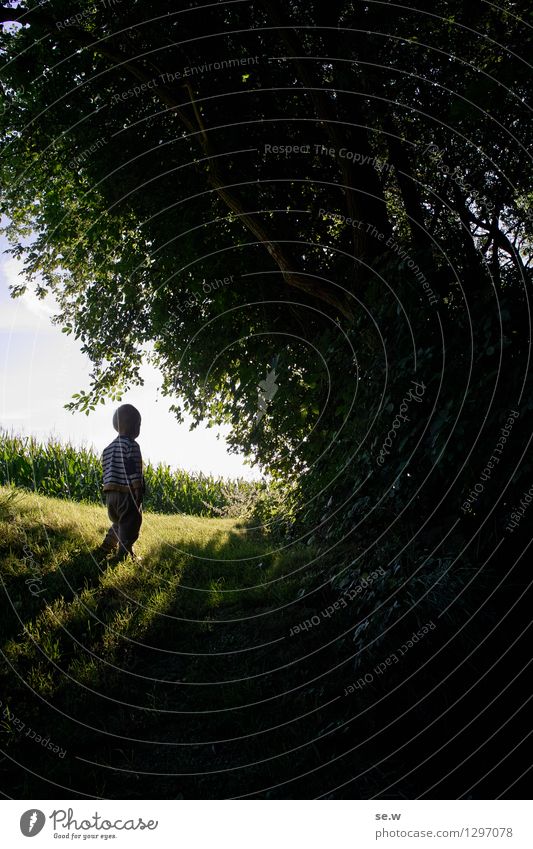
[123, 554]
[101, 553]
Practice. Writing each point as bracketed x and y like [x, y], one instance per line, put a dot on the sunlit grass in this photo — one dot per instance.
[70, 618]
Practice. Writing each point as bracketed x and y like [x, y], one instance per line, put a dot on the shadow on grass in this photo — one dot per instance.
[200, 707]
[31, 581]
[135, 643]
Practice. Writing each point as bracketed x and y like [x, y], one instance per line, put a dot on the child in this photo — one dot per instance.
[123, 483]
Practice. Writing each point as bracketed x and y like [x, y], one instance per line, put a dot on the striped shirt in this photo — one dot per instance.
[122, 464]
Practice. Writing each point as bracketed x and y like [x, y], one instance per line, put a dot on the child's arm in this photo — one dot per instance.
[136, 477]
[138, 492]
[139, 483]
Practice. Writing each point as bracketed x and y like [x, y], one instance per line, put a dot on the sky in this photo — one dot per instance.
[40, 369]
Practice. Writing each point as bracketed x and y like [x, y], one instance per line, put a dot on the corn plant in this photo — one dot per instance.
[65, 471]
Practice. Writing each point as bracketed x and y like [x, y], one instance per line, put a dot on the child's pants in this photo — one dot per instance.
[126, 516]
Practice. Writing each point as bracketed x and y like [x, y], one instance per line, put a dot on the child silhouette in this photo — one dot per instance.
[123, 483]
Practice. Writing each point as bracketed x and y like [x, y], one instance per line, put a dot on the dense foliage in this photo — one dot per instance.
[166, 231]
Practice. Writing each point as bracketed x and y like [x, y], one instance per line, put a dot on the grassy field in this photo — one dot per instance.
[190, 676]
[83, 642]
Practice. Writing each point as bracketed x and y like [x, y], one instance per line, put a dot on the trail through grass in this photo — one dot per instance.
[184, 676]
[137, 650]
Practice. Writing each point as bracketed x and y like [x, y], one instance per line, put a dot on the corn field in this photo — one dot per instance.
[65, 471]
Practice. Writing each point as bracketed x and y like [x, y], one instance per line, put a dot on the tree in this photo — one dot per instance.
[227, 187]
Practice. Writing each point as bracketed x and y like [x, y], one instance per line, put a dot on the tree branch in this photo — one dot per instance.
[113, 51]
[409, 191]
[357, 205]
[500, 239]
[8, 15]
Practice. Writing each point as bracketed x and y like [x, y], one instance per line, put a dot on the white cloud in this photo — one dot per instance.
[27, 312]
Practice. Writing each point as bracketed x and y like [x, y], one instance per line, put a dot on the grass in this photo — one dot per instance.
[65, 471]
[178, 677]
[71, 627]
[47, 552]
